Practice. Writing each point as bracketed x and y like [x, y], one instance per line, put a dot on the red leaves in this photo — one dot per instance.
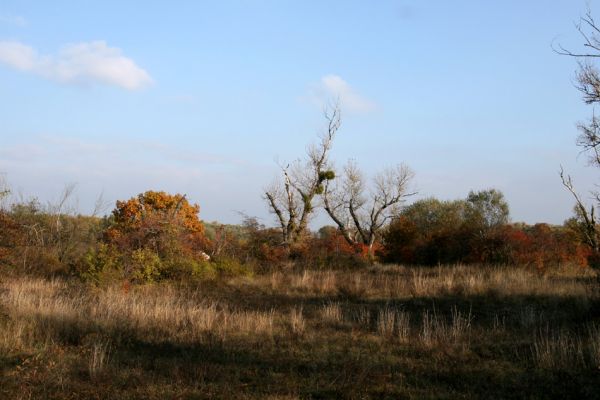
[539, 246]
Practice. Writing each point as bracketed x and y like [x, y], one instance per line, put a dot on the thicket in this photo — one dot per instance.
[157, 236]
[477, 230]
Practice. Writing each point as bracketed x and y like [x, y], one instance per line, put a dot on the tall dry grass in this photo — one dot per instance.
[399, 282]
[44, 311]
[560, 349]
[392, 305]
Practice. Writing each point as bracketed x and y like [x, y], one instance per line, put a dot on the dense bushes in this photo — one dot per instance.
[44, 240]
[476, 230]
[260, 248]
[156, 236]
[150, 237]
[9, 236]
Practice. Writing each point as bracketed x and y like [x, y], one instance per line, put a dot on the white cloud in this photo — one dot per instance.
[333, 87]
[81, 63]
[15, 20]
[17, 55]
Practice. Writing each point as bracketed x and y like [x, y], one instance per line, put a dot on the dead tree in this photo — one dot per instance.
[588, 83]
[360, 212]
[587, 218]
[292, 200]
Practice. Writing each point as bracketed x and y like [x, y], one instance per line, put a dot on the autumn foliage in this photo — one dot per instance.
[156, 236]
[152, 236]
[157, 220]
[10, 236]
[432, 232]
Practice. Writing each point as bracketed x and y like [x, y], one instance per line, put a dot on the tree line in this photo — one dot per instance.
[156, 235]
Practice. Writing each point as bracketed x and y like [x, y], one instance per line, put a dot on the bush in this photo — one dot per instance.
[228, 266]
[431, 232]
[101, 265]
[145, 265]
[156, 236]
[43, 241]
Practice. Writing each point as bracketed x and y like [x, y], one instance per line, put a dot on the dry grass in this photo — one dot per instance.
[398, 282]
[386, 322]
[332, 312]
[58, 312]
[362, 317]
[394, 324]
[321, 334]
[99, 357]
[559, 349]
[435, 330]
[297, 321]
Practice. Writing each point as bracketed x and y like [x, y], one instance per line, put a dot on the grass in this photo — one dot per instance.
[384, 332]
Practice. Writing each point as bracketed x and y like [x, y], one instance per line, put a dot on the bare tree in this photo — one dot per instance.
[588, 83]
[62, 230]
[292, 200]
[587, 217]
[361, 212]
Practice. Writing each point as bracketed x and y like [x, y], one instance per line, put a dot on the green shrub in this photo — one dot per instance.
[145, 265]
[185, 267]
[101, 265]
[229, 266]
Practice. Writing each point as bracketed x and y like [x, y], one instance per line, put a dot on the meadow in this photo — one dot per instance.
[385, 331]
[324, 274]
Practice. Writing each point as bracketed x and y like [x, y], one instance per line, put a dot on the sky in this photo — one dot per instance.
[207, 98]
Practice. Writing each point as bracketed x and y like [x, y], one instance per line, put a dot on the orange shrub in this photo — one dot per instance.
[159, 221]
[152, 236]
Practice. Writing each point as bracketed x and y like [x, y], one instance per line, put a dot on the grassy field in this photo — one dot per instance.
[385, 332]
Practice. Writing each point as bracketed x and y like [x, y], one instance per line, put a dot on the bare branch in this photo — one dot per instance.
[590, 231]
[100, 205]
[332, 204]
[367, 214]
[292, 200]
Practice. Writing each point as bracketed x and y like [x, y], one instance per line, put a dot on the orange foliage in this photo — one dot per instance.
[130, 214]
[159, 221]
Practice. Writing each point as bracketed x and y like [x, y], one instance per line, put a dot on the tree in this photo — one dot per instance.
[292, 200]
[361, 212]
[152, 236]
[587, 225]
[428, 232]
[487, 208]
[432, 231]
[588, 83]
[158, 221]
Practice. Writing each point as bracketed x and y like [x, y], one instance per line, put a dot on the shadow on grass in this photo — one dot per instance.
[320, 367]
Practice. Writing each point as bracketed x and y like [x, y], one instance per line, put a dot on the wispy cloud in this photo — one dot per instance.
[80, 63]
[57, 147]
[333, 87]
[15, 20]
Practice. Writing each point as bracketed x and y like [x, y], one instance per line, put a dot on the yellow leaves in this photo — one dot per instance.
[167, 224]
[129, 214]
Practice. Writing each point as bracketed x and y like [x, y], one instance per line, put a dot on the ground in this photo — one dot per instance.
[382, 332]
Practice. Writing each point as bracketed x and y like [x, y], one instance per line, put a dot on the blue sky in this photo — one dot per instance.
[203, 98]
